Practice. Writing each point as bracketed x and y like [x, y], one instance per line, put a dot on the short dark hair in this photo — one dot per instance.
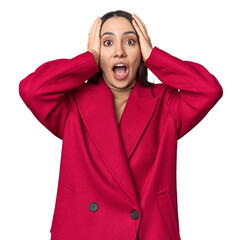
[142, 72]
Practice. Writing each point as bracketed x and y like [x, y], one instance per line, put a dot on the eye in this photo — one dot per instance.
[107, 42]
[130, 42]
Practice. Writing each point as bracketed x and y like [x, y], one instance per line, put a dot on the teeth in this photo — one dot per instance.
[120, 65]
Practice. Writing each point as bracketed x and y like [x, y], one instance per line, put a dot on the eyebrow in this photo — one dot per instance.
[125, 33]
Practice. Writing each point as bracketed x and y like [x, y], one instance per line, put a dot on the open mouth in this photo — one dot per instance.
[120, 71]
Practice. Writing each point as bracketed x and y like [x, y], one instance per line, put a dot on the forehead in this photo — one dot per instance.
[117, 25]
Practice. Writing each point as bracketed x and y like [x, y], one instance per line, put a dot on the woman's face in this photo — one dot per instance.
[119, 45]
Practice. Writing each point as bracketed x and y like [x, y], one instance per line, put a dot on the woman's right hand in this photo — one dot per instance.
[94, 39]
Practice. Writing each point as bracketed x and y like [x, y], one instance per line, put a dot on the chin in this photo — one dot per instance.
[122, 83]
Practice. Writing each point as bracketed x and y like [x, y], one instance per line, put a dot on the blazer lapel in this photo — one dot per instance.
[116, 143]
[136, 116]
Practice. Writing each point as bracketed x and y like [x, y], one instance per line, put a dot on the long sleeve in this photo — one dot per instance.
[191, 90]
[47, 90]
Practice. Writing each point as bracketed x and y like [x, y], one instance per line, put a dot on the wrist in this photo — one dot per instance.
[147, 54]
[95, 55]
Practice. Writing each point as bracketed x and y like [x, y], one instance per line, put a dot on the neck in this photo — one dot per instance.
[121, 92]
[120, 96]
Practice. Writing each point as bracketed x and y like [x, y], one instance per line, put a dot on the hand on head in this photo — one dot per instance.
[144, 39]
[94, 42]
[94, 39]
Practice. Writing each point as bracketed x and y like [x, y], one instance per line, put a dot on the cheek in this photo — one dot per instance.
[136, 58]
[104, 60]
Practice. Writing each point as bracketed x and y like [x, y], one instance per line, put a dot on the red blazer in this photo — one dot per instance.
[118, 181]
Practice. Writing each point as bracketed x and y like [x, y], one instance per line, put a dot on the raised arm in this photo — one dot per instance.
[48, 91]
[191, 90]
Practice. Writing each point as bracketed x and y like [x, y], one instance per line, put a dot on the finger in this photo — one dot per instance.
[141, 33]
[97, 28]
[137, 28]
[93, 29]
[144, 29]
[91, 33]
[140, 23]
[142, 26]
[92, 26]
[91, 36]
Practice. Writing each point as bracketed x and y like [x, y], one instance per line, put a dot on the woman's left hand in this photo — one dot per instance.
[144, 39]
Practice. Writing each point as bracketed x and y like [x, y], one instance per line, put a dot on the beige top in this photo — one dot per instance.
[120, 96]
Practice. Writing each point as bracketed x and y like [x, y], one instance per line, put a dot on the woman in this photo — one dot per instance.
[118, 165]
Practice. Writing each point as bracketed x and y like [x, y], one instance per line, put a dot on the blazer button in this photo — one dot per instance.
[93, 207]
[134, 214]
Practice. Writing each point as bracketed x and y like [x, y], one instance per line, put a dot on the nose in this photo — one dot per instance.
[119, 50]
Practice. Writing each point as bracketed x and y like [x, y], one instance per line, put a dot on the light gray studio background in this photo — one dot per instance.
[209, 168]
